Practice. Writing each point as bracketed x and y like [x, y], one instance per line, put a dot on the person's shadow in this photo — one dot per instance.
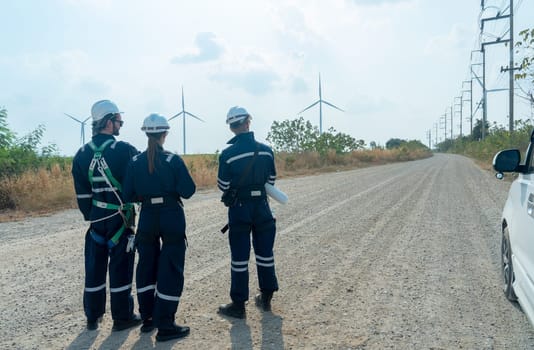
[84, 340]
[146, 342]
[240, 334]
[271, 337]
[115, 340]
[271, 332]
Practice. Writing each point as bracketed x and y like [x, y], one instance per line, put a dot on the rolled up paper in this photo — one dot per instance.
[276, 194]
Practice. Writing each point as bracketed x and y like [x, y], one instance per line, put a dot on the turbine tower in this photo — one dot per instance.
[320, 102]
[184, 113]
[82, 123]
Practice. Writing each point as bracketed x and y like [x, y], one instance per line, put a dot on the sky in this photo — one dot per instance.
[393, 66]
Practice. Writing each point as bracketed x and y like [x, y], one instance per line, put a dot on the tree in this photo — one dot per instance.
[394, 143]
[20, 154]
[337, 141]
[293, 136]
[525, 48]
[6, 136]
[477, 130]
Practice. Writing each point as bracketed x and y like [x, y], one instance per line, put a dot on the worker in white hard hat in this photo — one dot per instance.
[98, 170]
[159, 180]
[102, 113]
[244, 169]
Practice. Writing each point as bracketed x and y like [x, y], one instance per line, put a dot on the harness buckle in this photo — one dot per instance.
[130, 244]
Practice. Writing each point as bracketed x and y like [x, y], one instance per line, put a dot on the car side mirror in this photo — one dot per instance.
[506, 161]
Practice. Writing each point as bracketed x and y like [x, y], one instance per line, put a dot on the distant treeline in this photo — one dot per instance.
[34, 178]
[497, 137]
[20, 154]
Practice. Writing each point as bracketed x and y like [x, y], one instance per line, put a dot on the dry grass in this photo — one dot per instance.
[38, 192]
[45, 191]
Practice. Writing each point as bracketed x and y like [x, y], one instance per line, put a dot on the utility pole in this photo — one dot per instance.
[470, 101]
[484, 94]
[452, 128]
[482, 84]
[499, 41]
[461, 114]
[510, 70]
[436, 134]
[484, 90]
[444, 116]
[429, 135]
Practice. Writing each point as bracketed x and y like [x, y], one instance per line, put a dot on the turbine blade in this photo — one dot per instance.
[86, 119]
[310, 106]
[71, 117]
[194, 116]
[320, 96]
[331, 105]
[177, 115]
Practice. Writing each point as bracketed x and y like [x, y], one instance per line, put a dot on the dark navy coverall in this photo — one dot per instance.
[251, 213]
[160, 269]
[104, 224]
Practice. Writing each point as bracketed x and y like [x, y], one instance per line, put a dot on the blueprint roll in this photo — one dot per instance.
[276, 194]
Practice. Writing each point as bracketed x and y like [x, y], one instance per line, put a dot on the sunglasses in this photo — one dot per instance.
[121, 122]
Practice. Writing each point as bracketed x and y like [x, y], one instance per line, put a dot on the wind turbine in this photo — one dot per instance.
[82, 135]
[320, 102]
[184, 113]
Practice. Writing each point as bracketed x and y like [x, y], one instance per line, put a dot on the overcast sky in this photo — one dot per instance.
[394, 66]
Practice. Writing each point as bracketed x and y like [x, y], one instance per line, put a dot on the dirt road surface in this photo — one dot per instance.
[402, 256]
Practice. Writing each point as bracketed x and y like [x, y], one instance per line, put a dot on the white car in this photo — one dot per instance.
[517, 226]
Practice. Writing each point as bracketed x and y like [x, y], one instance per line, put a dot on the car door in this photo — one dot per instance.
[522, 229]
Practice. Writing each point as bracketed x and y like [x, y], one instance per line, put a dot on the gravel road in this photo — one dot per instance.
[401, 256]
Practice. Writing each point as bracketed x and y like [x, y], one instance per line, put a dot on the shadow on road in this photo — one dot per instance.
[84, 340]
[115, 340]
[240, 334]
[271, 331]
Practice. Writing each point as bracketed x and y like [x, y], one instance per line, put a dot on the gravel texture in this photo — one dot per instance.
[401, 256]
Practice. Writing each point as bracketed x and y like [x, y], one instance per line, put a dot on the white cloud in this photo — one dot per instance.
[386, 64]
[207, 49]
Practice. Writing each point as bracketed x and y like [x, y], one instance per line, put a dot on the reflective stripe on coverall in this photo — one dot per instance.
[99, 257]
[251, 214]
[161, 240]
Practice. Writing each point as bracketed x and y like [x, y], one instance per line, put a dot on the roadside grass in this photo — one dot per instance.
[45, 191]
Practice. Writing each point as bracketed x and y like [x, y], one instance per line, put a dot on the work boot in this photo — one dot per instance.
[148, 326]
[93, 324]
[120, 325]
[263, 301]
[234, 309]
[176, 332]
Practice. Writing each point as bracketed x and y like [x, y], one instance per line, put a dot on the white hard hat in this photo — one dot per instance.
[236, 114]
[102, 108]
[155, 123]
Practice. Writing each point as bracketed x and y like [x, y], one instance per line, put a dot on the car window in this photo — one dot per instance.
[529, 161]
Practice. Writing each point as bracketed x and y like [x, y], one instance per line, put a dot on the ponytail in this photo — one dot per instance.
[152, 150]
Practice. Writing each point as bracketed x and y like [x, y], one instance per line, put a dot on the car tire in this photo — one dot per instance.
[507, 267]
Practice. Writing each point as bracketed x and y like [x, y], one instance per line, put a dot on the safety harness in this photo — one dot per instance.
[125, 210]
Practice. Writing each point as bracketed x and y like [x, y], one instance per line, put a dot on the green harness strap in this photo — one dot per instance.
[115, 239]
[97, 158]
[127, 208]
